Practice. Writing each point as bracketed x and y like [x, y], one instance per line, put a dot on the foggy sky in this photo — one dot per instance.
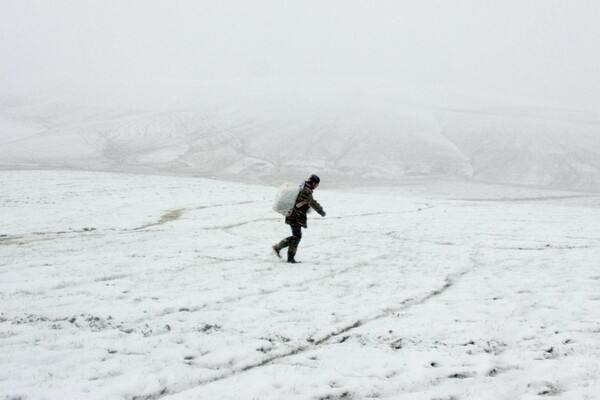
[545, 51]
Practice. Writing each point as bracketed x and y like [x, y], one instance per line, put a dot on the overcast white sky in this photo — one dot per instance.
[543, 50]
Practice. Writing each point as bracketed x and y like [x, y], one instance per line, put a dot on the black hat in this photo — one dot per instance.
[314, 179]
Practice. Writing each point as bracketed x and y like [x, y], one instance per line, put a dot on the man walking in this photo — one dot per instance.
[297, 219]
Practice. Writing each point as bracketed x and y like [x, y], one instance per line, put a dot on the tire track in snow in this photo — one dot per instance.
[167, 217]
[263, 292]
[177, 213]
[449, 281]
[216, 305]
[315, 342]
[526, 199]
[39, 236]
[224, 227]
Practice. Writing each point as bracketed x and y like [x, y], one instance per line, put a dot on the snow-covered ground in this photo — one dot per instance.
[117, 286]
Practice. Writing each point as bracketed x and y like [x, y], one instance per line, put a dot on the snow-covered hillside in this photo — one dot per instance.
[250, 134]
[117, 286]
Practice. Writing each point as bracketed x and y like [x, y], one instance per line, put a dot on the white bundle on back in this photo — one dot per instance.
[286, 198]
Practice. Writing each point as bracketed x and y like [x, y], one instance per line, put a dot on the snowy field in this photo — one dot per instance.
[117, 286]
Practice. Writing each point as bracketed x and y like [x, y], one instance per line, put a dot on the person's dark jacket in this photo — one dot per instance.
[304, 202]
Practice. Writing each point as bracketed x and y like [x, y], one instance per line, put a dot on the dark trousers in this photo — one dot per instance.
[291, 242]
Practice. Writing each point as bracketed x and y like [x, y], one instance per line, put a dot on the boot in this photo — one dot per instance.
[281, 245]
[276, 250]
[292, 250]
[292, 254]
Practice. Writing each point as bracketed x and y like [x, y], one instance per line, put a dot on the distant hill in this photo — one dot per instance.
[269, 137]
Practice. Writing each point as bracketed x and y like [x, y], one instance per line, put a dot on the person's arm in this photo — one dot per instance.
[317, 207]
[307, 198]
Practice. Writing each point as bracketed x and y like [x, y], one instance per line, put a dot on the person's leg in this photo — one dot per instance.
[283, 244]
[294, 242]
